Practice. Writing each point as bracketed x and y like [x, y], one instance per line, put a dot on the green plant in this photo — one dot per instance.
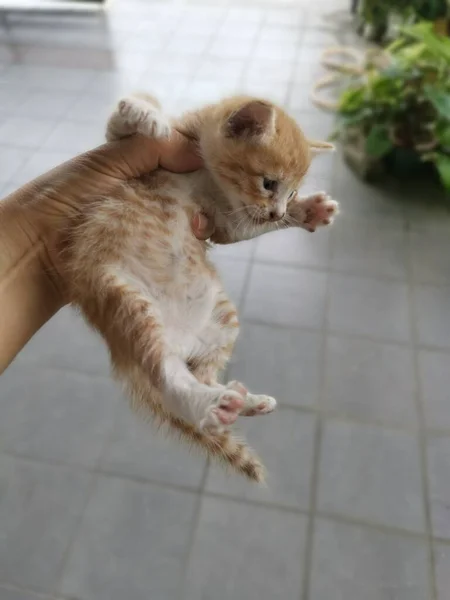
[378, 13]
[405, 103]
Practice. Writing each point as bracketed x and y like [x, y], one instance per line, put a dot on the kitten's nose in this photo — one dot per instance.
[275, 215]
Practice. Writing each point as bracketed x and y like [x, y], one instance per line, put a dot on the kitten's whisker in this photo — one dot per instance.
[236, 210]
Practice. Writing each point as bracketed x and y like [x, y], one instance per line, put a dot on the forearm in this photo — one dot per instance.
[28, 297]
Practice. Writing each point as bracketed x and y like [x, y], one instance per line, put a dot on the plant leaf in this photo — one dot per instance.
[378, 143]
[443, 136]
[440, 100]
[442, 162]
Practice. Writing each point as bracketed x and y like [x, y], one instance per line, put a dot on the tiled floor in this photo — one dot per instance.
[349, 328]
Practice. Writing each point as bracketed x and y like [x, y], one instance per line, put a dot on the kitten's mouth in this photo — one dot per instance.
[255, 217]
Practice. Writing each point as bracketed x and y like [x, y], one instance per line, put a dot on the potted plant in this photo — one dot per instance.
[398, 116]
[376, 16]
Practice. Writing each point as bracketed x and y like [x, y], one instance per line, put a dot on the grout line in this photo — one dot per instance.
[104, 472]
[334, 270]
[240, 304]
[315, 469]
[37, 593]
[422, 432]
[192, 534]
[347, 335]
[440, 540]
[314, 487]
[380, 527]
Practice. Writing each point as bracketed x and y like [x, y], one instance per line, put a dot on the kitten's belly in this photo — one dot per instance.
[187, 313]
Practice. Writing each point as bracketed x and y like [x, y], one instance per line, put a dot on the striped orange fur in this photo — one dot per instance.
[142, 279]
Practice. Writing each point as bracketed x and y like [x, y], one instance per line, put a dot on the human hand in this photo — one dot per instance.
[32, 286]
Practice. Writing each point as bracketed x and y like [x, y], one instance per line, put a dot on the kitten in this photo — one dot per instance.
[146, 284]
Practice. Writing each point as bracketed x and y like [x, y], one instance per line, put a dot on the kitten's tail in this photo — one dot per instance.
[224, 447]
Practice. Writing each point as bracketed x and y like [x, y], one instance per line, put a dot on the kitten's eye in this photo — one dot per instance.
[270, 184]
[292, 194]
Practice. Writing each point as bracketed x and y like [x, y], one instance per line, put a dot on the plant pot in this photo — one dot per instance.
[441, 26]
[405, 163]
[354, 150]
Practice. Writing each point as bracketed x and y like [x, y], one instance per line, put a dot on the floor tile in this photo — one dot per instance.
[284, 441]
[371, 474]
[187, 54]
[66, 342]
[276, 50]
[47, 105]
[370, 381]
[286, 296]
[239, 250]
[109, 85]
[351, 563]
[40, 507]
[321, 37]
[11, 161]
[432, 305]
[269, 70]
[359, 198]
[225, 69]
[434, 369]
[233, 274]
[299, 99]
[295, 247]
[266, 89]
[280, 362]
[361, 248]
[318, 127]
[243, 551]
[11, 97]
[442, 553]
[225, 47]
[51, 78]
[320, 173]
[38, 164]
[25, 132]
[95, 108]
[270, 34]
[8, 188]
[430, 255]
[75, 137]
[310, 53]
[439, 482]
[138, 449]
[15, 594]
[131, 544]
[55, 415]
[363, 306]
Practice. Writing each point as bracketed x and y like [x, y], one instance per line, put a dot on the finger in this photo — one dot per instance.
[179, 154]
[220, 236]
[202, 227]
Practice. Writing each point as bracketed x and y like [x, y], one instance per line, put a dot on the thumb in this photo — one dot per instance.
[180, 154]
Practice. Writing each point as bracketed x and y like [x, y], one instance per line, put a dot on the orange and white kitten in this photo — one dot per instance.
[143, 280]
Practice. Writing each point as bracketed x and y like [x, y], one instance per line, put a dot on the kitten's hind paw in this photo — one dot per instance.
[225, 411]
[145, 118]
[317, 210]
[254, 404]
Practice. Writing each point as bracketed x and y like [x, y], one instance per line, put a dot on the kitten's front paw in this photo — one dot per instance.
[317, 210]
[146, 120]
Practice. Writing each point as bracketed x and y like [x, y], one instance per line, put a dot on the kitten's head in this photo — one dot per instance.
[258, 155]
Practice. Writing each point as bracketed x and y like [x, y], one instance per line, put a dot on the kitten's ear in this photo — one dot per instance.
[321, 147]
[252, 120]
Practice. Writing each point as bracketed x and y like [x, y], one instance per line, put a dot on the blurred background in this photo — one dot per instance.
[349, 328]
